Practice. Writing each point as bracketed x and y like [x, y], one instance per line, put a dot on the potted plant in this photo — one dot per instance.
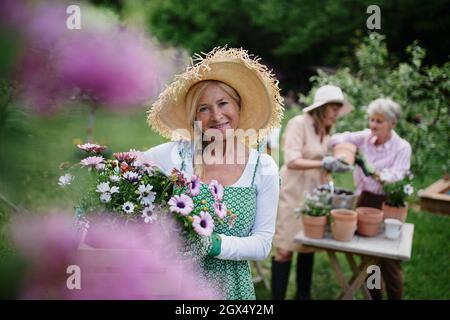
[397, 188]
[343, 224]
[315, 210]
[369, 221]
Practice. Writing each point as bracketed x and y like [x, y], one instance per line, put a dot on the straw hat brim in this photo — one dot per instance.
[261, 103]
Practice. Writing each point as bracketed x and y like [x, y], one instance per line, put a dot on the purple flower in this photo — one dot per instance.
[194, 186]
[133, 177]
[149, 214]
[216, 189]
[92, 162]
[203, 224]
[220, 209]
[182, 204]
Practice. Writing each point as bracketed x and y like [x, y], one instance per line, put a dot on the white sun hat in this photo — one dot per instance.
[329, 94]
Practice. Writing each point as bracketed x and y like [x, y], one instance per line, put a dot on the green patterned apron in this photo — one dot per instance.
[232, 279]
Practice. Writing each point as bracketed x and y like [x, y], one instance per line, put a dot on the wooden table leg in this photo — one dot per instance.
[337, 270]
[359, 278]
[353, 266]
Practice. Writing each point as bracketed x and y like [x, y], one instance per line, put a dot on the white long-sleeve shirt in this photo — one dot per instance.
[258, 244]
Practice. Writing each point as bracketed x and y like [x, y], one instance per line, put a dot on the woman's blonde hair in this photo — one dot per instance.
[192, 102]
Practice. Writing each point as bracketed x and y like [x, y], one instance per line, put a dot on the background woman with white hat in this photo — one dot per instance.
[305, 145]
[224, 91]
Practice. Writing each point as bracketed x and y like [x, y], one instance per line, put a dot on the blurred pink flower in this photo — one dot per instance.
[92, 162]
[102, 63]
[117, 69]
[90, 147]
[132, 262]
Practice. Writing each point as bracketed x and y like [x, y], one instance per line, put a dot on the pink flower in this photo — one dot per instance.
[220, 209]
[102, 63]
[194, 186]
[92, 162]
[125, 156]
[216, 189]
[115, 68]
[182, 204]
[203, 224]
[90, 147]
[144, 267]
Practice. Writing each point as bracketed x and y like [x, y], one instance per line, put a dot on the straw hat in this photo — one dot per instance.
[328, 94]
[261, 103]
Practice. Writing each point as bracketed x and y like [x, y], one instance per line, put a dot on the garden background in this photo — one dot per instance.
[307, 44]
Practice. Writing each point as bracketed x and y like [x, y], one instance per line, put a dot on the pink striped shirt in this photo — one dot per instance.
[394, 154]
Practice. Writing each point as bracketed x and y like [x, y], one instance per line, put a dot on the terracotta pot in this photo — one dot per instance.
[398, 213]
[343, 224]
[369, 221]
[314, 227]
[345, 150]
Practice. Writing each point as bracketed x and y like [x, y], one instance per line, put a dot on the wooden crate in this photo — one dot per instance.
[435, 198]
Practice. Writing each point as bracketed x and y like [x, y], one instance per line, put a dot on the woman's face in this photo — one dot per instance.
[217, 110]
[380, 126]
[331, 113]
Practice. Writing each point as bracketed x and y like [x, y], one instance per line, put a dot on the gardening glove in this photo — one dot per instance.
[365, 166]
[332, 164]
[196, 247]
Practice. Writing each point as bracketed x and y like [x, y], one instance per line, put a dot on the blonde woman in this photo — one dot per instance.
[306, 166]
[224, 92]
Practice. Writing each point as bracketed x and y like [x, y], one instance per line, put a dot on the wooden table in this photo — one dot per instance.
[370, 249]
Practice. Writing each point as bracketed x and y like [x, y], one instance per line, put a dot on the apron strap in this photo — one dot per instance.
[254, 170]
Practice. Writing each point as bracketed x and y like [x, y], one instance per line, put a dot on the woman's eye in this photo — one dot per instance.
[223, 103]
[202, 109]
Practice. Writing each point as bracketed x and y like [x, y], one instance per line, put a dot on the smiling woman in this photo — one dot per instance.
[214, 105]
[224, 92]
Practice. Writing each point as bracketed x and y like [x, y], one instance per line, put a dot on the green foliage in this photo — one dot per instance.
[422, 91]
[398, 191]
[292, 35]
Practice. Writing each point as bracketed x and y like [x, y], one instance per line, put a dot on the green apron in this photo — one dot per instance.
[232, 279]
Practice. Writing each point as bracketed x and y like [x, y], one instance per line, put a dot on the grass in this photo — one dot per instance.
[33, 148]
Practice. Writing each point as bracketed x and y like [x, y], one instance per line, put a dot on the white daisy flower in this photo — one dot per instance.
[147, 200]
[408, 189]
[105, 197]
[103, 187]
[65, 180]
[128, 207]
[114, 178]
[114, 189]
[145, 189]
